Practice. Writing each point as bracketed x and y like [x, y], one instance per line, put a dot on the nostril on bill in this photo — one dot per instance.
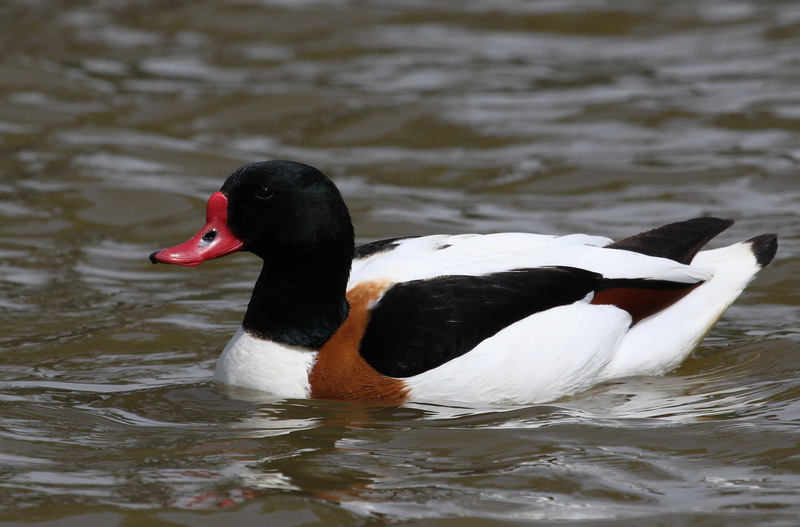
[209, 236]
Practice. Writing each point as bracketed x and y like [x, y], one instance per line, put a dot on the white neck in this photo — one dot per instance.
[280, 369]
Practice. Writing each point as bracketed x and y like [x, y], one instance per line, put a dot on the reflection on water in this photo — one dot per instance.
[117, 121]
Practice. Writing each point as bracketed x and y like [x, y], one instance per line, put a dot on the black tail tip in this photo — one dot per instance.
[764, 248]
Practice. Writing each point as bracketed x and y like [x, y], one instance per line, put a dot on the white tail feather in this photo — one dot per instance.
[659, 343]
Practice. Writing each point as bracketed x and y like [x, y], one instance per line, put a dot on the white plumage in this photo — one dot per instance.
[273, 367]
[475, 255]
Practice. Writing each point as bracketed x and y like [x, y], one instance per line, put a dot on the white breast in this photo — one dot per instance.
[249, 362]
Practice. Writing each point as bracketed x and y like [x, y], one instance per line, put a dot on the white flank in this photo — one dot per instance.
[280, 369]
[540, 358]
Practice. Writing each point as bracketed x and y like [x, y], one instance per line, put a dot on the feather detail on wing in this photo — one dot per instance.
[422, 324]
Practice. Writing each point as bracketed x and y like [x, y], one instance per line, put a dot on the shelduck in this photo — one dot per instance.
[498, 318]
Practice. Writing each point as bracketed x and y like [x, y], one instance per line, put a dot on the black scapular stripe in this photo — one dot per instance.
[380, 246]
[423, 324]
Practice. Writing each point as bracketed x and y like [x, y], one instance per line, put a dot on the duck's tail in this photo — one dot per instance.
[659, 343]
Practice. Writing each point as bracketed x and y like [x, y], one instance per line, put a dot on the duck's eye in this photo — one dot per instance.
[264, 193]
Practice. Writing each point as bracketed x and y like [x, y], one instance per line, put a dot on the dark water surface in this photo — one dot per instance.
[117, 119]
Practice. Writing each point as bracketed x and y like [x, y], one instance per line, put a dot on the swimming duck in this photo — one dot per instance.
[496, 318]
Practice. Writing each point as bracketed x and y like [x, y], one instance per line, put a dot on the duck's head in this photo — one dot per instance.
[281, 211]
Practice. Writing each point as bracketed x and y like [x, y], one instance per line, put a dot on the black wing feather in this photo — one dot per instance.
[677, 241]
[422, 324]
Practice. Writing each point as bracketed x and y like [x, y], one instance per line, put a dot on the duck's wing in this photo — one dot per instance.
[418, 325]
[439, 314]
